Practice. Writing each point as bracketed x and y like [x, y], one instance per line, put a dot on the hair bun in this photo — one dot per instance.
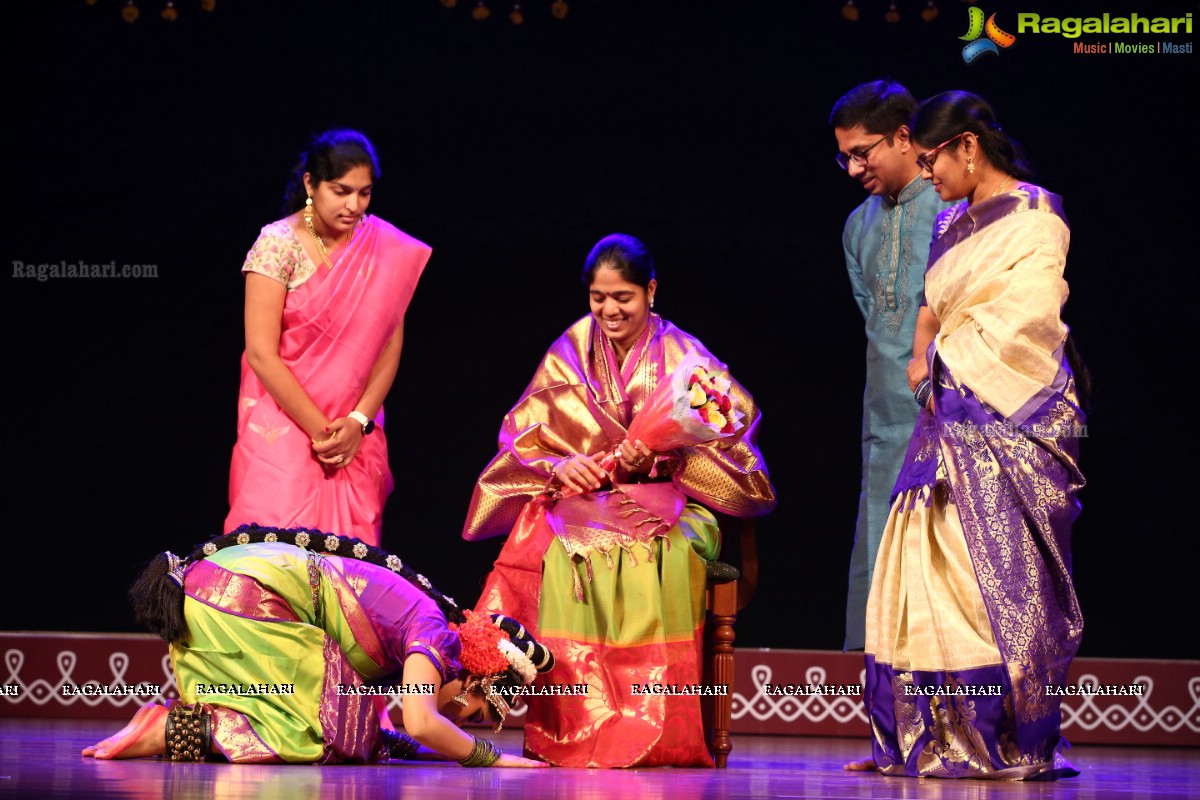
[535, 651]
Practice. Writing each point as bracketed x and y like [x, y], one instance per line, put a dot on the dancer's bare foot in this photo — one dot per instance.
[865, 765]
[145, 735]
[128, 729]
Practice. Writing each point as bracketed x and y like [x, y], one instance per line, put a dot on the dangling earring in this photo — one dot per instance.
[971, 164]
[312, 231]
[652, 302]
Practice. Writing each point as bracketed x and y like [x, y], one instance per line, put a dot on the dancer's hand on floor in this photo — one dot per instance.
[507, 760]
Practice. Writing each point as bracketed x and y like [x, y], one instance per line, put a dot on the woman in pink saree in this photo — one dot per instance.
[326, 292]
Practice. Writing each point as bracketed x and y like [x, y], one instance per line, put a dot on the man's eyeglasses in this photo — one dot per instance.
[859, 157]
[926, 159]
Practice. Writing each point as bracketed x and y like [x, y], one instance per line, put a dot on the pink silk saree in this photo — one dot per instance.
[640, 618]
[336, 323]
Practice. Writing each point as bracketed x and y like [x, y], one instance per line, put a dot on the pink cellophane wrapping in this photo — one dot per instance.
[668, 421]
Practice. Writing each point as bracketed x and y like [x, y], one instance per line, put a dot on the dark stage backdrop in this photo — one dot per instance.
[700, 127]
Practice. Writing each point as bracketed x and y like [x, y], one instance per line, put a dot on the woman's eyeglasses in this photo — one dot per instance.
[926, 159]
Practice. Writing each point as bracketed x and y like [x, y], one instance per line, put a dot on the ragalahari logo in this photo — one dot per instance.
[976, 27]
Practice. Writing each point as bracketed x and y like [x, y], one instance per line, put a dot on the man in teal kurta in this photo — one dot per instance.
[886, 242]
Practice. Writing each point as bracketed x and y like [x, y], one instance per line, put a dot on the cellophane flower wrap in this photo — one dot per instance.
[691, 407]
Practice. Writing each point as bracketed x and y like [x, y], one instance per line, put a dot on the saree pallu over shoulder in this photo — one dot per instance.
[959, 222]
[995, 283]
[334, 327]
[578, 403]
[334, 332]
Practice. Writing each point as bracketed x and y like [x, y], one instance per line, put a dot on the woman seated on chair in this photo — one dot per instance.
[619, 607]
[278, 651]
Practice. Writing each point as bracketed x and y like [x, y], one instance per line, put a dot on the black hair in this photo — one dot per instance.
[948, 114]
[510, 682]
[1083, 375]
[879, 106]
[542, 658]
[624, 253]
[158, 600]
[329, 156]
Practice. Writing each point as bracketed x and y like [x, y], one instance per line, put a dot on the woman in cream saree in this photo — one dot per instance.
[972, 620]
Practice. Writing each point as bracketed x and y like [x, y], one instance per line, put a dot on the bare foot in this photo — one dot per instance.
[128, 729]
[865, 765]
[145, 735]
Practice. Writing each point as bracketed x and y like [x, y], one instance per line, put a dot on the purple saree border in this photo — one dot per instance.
[969, 220]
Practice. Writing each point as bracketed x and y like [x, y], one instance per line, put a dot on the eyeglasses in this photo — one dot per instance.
[926, 159]
[859, 157]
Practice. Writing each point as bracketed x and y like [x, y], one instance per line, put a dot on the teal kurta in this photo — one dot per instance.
[887, 246]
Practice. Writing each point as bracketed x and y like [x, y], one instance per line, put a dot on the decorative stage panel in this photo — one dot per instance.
[787, 692]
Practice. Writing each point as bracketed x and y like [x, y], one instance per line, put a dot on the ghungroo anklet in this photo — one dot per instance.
[189, 732]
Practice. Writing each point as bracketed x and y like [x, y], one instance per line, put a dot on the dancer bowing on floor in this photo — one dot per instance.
[280, 639]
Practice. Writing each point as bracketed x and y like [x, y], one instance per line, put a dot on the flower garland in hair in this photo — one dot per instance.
[482, 644]
[488, 649]
[494, 660]
[518, 661]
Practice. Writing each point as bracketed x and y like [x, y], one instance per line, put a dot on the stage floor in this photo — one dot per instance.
[40, 758]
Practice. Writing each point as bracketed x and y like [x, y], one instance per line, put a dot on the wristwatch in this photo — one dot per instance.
[368, 425]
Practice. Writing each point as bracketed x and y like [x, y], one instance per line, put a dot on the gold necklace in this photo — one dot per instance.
[1003, 183]
[312, 231]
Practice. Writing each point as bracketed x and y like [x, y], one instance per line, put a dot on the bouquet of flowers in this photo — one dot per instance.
[691, 407]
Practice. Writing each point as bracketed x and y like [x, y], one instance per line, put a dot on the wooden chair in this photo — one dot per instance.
[729, 590]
